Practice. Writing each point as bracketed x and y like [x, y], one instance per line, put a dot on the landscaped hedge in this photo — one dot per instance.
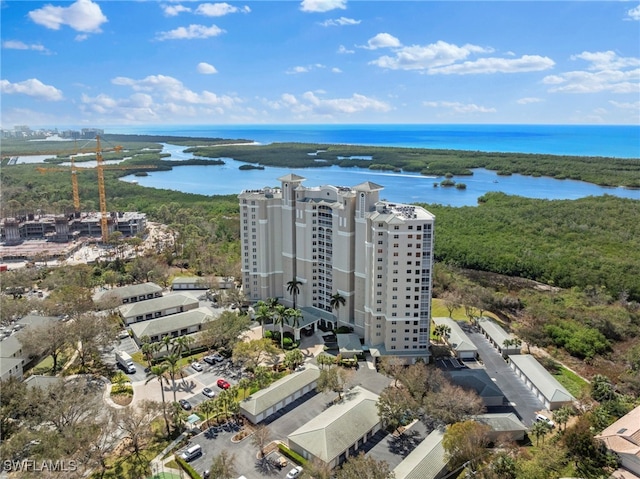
[294, 456]
[193, 474]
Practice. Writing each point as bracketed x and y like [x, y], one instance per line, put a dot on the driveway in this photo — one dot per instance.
[521, 399]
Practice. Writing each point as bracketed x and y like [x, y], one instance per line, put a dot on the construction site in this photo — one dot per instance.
[30, 236]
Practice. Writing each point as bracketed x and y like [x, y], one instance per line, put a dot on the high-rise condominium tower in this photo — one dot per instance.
[356, 260]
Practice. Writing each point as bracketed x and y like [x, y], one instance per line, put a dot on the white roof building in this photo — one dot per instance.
[426, 461]
[337, 432]
[547, 388]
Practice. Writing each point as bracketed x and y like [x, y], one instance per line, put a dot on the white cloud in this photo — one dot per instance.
[344, 50]
[336, 70]
[304, 69]
[18, 45]
[171, 89]
[206, 68]
[82, 16]
[526, 63]
[605, 72]
[32, 87]
[458, 107]
[191, 32]
[382, 40]
[417, 57]
[298, 69]
[174, 10]
[340, 22]
[634, 13]
[606, 60]
[634, 105]
[529, 99]
[310, 104]
[219, 9]
[322, 5]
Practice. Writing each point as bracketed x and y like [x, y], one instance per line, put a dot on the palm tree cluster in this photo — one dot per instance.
[169, 365]
[272, 312]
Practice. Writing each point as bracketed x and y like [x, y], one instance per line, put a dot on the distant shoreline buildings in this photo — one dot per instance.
[357, 261]
[25, 132]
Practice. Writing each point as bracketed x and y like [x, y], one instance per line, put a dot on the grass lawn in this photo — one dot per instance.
[438, 310]
[570, 380]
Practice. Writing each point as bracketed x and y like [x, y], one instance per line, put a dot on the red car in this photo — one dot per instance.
[222, 384]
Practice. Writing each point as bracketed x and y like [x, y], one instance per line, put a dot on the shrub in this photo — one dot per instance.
[344, 330]
[193, 474]
[268, 334]
[287, 343]
[294, 456]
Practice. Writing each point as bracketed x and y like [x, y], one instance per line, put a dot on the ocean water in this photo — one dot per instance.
[581, 140]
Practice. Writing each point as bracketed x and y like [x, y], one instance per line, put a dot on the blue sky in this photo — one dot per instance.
[101, 63]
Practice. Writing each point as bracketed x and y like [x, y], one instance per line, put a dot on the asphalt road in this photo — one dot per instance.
[521, 399]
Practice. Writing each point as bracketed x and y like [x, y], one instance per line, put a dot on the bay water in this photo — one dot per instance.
[608, 141]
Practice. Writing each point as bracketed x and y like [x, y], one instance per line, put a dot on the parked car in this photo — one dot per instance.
[209, 360]
[217, 357]
[208, 392]
[191, 453]
[186, 405]
[543, 418]
[294, 473]
[197, 366]
[222, 384]
[124, 334]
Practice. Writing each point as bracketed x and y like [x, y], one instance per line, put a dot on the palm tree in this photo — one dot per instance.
[207, 408]
[263, 315]
[244, 384]
[171, 363]
[167, 342]
[540, 429]
[147, 351]
[441, 331]
[294, 315]
[280, 317]
[562, 415]
[337, 300]
[182, 343]
[293, 288]
[157, 372]
[273, 303]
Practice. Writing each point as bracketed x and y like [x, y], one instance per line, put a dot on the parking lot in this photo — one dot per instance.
[283, 423]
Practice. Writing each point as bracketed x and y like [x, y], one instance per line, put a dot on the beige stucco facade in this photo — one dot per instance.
[377, 255]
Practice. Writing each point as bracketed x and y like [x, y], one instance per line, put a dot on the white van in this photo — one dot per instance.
[191, 453]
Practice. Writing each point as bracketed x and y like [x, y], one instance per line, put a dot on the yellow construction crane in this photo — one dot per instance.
[100, 167]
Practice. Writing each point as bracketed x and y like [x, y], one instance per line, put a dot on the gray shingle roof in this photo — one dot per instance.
[280, 390]
[426, 461]
[549, 386]
[495, 331]
[476, 379]
[156, 304]
[337, 428]
[173, 322]
[130, 290]
[502, 422]
[457, 339]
